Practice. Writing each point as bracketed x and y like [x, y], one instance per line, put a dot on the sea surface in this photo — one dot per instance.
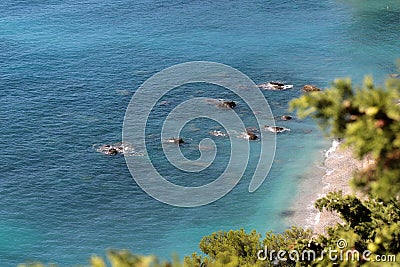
[68, 70]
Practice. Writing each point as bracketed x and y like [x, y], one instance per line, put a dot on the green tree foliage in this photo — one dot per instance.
[295, 239]
[121, 258]
[238, 243]
[221, 249]
[368, 118]
[237, 248]
[368, 225]
[232, 248]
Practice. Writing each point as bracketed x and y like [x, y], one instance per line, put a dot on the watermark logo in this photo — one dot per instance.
[339, 253]
[341, 243]
[137, 118]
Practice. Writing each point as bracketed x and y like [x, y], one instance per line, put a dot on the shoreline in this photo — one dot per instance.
[339, 165]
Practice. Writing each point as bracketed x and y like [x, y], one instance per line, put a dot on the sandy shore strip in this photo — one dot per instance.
[339, 166]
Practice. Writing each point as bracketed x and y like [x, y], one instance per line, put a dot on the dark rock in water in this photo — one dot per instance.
[276, 129]
[307, 131]
[286, 117]
[227, 104]
[310, 88]
[251, 135]
[277, 83]
[275, 86]
[176, 141]
[287, 213]
[112, 151]
[218, 133]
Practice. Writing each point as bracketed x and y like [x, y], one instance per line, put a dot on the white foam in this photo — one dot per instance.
[329, 172]
[333, 148]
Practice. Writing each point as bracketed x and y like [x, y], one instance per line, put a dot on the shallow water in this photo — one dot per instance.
[69, 69]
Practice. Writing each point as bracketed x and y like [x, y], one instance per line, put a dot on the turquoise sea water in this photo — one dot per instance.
[69, 68]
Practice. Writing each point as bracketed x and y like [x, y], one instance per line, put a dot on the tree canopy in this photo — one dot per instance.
[368, 118]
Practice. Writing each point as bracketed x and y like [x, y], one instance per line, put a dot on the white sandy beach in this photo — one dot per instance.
[339, 165]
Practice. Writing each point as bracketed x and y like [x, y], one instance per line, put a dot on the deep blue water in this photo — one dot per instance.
[68, 70]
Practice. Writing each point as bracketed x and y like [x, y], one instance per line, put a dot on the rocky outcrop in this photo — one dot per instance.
[276, 129]
[112, 151]
[251, 135]
[310, 88]
[218, 133]
[274, 86]
[286, 117]
[227, 104]
[177, 141]
[115, 149]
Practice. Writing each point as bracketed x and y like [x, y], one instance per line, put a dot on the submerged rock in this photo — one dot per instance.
[248, 135]
[276, 129]
[175, 141]
[218, 133]
[227, 104]
[251, 135]
[275, 86]
[286, 117]
[222, 103]
[310, 88]
[114, 149]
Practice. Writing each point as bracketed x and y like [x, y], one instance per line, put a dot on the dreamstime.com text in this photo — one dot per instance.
[338, 254]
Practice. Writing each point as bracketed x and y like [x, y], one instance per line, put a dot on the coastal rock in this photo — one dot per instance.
[251, 135]
[222, 103]
[395, 75]
[174, 140]
[286, 117]
[274, 86]
[310, 88]
[287, 213]
[218, 133]
[248, 135]
[112, 152]
[276, 129]
[227, 104]
[114, 149]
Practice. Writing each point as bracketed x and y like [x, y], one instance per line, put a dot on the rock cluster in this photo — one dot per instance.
[251, 135]
[115, 149]
[310, 88]
[174, 140]
[275, 86]
[218, 133]
[276, 129]
[227, 104]
[286, 117]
